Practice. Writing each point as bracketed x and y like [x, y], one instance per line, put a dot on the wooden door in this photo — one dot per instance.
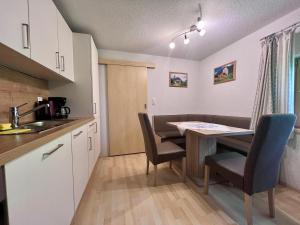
[43, 33]
[127, 95]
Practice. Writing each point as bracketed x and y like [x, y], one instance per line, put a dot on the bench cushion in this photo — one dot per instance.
[168, 151]
[169, 134]
[230, 165]
[234, 143]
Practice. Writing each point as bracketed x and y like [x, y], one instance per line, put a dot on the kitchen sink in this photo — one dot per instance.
[44, 125]
[38, 126]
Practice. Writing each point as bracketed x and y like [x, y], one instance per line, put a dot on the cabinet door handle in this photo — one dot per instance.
[47, 154]
[25, 35]
[76, 135]
[90, 139]
[62, 63]
[95, 108]
[96, 128]
[57, 60]
[92, 124]
[95, 123]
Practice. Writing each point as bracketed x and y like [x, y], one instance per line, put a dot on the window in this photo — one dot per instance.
[297, 76]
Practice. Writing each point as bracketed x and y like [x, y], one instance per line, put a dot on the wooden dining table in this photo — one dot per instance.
[201, 140]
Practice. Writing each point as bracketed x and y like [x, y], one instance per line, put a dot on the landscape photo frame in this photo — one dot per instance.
[225, 73]
[178, 79]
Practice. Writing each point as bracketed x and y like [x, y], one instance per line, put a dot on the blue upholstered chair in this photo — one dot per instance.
[259, 171]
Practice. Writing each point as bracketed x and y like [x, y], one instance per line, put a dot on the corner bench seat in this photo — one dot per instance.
[239, 144]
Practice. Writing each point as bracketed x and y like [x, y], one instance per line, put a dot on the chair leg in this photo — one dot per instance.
[206, 179]
[271, 202]
[171, 164]
[155, 175]
[183, 168]
[147, 169]
[248, 208]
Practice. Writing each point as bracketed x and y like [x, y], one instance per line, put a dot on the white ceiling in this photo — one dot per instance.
[147, 26]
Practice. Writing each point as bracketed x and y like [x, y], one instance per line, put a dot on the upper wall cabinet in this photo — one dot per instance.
[43, 33]
[14, 26]
[65, 42]
[95, 78]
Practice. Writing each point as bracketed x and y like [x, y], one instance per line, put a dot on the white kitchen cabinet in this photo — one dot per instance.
[65, 43]
[40, 185]
[14, 26]
[83, 94]
[95, 78]
[43, 33]
[80, 162]
[97, 139]
[91, 147]
[93, 144]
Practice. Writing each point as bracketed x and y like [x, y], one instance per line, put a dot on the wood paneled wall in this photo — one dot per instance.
[17, 88]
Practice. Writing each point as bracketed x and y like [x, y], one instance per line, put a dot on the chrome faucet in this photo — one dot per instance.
[14, 115]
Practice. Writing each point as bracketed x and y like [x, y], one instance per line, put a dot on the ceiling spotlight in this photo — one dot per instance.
[200, 24]
[172, 45]
[186, 40]
[202, 32]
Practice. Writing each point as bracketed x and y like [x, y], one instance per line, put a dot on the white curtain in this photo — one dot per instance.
[263, 99]
[275, 90]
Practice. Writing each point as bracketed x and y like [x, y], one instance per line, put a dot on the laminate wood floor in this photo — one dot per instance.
[120, 193]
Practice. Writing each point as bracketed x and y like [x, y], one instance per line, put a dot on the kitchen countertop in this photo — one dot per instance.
[14, 146]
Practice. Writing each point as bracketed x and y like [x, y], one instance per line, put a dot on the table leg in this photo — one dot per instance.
[196, 149]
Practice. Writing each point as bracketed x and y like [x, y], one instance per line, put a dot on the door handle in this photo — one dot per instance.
[95, 108]
[57, 60]
[95, 123]
[47, 154]
[96, 128]
[90, 139]
[62, 63]
[76, 135]
[25, 35]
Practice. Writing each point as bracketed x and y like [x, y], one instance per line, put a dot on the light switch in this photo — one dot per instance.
[153, 101]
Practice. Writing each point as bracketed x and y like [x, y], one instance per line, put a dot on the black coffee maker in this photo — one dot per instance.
[59, 110]
[56, 109]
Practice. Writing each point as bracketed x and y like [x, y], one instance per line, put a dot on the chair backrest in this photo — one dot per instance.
[149, 140]
[263, 161]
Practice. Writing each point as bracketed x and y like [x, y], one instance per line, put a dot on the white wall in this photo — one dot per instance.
[237, 97]
[168, 100]
[234, 98]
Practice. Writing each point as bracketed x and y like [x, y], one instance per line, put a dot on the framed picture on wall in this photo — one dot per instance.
[225, 73]
[177, 79]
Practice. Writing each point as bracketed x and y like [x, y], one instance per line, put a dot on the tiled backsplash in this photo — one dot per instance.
[17, 88]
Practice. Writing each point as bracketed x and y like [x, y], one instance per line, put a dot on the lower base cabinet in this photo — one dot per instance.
[39, 185]
[45, 186]
[93, 144]
[80, 163]
[91, 147]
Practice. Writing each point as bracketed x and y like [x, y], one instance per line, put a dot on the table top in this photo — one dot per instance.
[209, 129]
